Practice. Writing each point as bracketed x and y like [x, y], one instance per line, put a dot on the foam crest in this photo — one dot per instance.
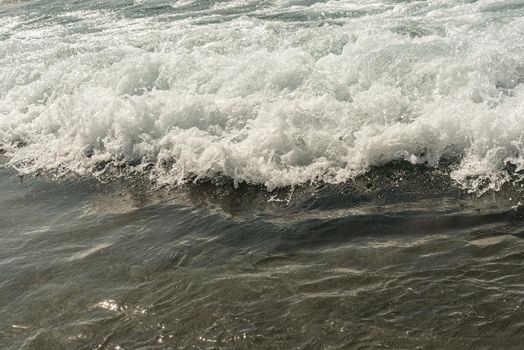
[264, 97]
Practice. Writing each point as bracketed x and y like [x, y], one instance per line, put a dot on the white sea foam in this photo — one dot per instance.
[281, 95]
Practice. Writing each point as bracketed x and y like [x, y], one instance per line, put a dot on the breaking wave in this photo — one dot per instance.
[274, 93]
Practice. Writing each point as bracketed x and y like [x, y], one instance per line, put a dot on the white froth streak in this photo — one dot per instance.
[268, 102]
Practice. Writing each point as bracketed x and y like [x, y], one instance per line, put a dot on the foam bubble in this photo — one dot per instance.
[274, 97]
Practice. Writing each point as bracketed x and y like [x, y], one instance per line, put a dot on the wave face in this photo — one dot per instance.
[273, 93]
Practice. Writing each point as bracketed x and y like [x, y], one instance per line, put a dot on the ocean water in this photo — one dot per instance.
[261, 174]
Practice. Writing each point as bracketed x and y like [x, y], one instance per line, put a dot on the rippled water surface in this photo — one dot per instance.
[261, 174]
[86, 267]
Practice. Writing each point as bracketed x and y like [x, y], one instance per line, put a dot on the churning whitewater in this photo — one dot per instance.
[272, 93]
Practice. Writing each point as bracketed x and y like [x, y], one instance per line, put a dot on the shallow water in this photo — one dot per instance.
[89, 266]
[253, 174]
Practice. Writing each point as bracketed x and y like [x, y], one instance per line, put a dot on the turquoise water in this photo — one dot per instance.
[261, 174]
